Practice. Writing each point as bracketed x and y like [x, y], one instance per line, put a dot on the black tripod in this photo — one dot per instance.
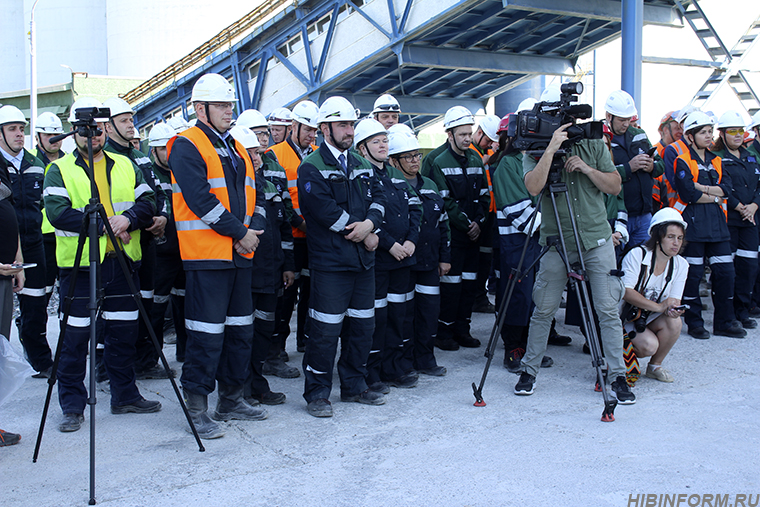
[86, 126]
[576, 273]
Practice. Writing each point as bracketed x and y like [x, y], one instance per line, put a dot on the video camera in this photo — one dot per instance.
[88, 117]
[533, 129]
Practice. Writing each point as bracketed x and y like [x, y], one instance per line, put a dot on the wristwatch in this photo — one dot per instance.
[717, 200]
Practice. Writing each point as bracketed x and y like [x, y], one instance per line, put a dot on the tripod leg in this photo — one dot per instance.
[121, 256]
[61, 336]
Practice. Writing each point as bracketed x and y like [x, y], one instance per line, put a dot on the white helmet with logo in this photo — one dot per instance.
[619, 103]
[386, 103]
[696, 120]
[118, 106]
[48, 123]
[527, 104]
[306, 112]
[251, 118]
[11, 114]
[730, 119]
[457, 116]
[490, 126]
[666, 216]
[280, 116]
[402, 142]
[245, 137]
[178, 123]
[213, 88]
[336, 109]
[367, 128]
[402, 128]
[85, 103]
[755, 121]
[160, 134]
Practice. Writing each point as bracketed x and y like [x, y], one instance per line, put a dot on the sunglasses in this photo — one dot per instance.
[735, 132]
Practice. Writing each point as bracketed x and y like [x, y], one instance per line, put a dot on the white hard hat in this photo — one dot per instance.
[280, 116]
[755, 121]
[400, 128]
[213, 88]
[619, 103]
[367, 128]
[85, 103]
[306, 112]
[117, 106]
[696, 120]
[336, 109]
[666, 216]
[137, 134]
[527, 104]
[730, 119]
[11, 114]
[245, 137]
[251, 118]
[550, 94]
[402, 142]
[686, 111]
[160, 134]
[386, 103]
[457, 116]
[48, 123]
[178, 123]
[490, 125]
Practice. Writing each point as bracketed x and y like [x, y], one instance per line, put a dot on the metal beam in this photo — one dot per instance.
[686, 62]
[482, 61]
[419, 105]
[595, 9]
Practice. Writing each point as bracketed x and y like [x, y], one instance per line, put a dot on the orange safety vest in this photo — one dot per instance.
[289, 160]
[717, 163]
[490, 153]
[197, 240]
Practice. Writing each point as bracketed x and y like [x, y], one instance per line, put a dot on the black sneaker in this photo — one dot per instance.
[754, 311]
[366, 398]
[43, 374]
[732, 332]
[699, 333]
[380, 387]
[524, 386]
[622, 391]
[512, 361]
[749, 323]
[141, 406]
[8, 438]
[547, 362]
[71, 422]
[559, 340]
[320, 408]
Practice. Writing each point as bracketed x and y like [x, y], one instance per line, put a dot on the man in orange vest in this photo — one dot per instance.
[218, 224]
[663, 193]
[289, 154]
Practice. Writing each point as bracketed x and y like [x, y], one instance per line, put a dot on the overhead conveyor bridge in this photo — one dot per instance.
[430, 54]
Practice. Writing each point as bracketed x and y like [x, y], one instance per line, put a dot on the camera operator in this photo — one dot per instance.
[589, 173]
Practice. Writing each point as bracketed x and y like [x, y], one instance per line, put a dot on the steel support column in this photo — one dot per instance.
[632, 30]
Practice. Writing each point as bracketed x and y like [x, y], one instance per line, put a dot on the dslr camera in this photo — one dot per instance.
[533, 129]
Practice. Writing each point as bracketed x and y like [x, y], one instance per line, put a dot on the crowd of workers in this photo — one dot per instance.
[239, 222]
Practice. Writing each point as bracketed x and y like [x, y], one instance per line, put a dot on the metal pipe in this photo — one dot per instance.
[33, 87]
[632, 23]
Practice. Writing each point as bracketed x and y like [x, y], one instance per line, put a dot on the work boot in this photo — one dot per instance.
[231, 405]
[279, 368]
[197, 405]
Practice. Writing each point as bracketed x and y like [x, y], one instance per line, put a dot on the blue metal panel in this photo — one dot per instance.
[632, 29]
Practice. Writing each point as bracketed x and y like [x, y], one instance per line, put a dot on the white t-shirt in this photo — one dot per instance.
[655, 284]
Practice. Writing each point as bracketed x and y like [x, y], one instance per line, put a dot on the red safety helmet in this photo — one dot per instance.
[504, 123]
[607, 131]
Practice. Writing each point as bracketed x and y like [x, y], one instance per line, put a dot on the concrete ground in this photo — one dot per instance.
[428, 446]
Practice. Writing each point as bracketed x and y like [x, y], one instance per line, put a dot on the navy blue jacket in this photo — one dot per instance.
[401, 222]
[329, 200]
[27, 197]
[637, 185]
[745, 178]
[434, 244]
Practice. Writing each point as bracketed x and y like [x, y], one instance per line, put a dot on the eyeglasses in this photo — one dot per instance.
[414, 157]
[223, 105]
[262, 133]
[735, 132]
[390, 107]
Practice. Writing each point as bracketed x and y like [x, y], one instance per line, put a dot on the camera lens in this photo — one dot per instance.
[575, 88]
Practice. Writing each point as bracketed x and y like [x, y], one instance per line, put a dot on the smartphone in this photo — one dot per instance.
[652, 151]
[681, 307]
[26, 265]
